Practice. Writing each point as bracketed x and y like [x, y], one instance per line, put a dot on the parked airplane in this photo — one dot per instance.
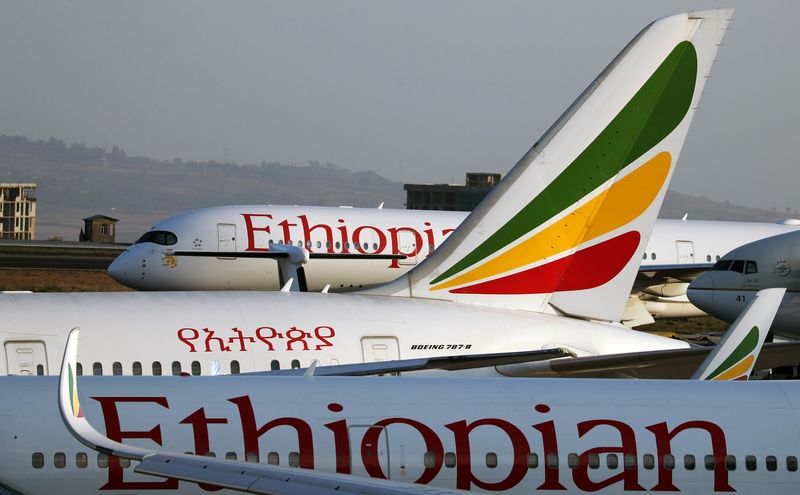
[545, 262]
[229, 248]
[730, 284]
[513, 436]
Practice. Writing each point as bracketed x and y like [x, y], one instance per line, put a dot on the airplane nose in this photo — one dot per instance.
[118, 269]
[701, 292]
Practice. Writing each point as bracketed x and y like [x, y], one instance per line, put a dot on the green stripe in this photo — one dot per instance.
[742, 350]
[71, 383]
[653, 112]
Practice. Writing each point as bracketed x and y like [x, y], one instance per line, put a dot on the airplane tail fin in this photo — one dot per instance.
[737, 352]
[564, 231]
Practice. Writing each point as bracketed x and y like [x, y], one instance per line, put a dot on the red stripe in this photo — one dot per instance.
[585, 269]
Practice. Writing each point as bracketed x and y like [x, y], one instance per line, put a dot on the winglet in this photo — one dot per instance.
[736, 354]
[72, 412]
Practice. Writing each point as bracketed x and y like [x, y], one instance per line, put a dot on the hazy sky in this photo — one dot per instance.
[419, 91]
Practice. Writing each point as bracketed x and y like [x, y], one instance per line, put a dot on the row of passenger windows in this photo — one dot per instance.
[177, 368]
[653, 257]
[338, 245]
[741, 266]
[430, 461]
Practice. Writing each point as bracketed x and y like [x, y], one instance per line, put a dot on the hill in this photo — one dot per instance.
[75, 181]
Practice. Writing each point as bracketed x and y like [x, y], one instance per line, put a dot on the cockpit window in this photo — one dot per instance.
[721, 266]
[737, 266]
[161, 237]
[751, 267]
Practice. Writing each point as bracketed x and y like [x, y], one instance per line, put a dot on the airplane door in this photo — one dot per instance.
[685, 251]
[369, 450]
[227, 239]
[26, 357]
[380, 349]
[407, 243]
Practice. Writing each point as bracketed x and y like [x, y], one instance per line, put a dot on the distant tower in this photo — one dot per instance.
[17, 211]
[98, 228]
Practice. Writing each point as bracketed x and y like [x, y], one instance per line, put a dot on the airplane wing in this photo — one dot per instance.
[235, 475]
[449, 363]
[669, 364]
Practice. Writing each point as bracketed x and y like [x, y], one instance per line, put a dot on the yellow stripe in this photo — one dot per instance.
[740, 369]
[616, 206]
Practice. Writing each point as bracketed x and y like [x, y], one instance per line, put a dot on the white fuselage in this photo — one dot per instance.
[195, 332]
[772, 262]
[413, 233]
[510, 436]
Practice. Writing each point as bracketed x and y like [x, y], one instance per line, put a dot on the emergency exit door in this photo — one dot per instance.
[26, 357]
[685, 251]
[226, 234]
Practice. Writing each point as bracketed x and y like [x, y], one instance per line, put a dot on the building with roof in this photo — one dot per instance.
[98, 228]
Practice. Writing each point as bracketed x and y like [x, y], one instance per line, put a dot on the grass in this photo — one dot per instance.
[45, 280]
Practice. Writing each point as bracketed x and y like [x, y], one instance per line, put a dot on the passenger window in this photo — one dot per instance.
[295, 364]
[688, 462]
[97, 369]
[59, 460]
[630, 462]
[273, 458]
[210, 453]
[572, 461]
[533, 460]
[737, 266]
[594, 461]
[253, 457]
[137, 368]
[710, 462]
[156, 368]
[294, 459]
[648, 461]
[611, 461]
[450, 459]
[338, 245]
[491, 460]
[429, 459]
[176, 368]
[791, 463]
[308, 244]
[708, 257]
[37, 460]
[652, 256]
[319, 244]
[730, 462]
[195, 368]
[275, 365]
[102, 460]
[235, 370]
[39, 369]
[116, 368]
[645, 256]
[78, 369]
[231, 456]
[750, 463]
[552, 460]
[751, 267]
[721, 266]
[772, 463]
[669, 462]
[81, 460]
[125, 463]
[374, 246]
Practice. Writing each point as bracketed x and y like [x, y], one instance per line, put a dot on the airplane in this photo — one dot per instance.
[229, 248]
[385, 435]
[544, 263]
[725, 289]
